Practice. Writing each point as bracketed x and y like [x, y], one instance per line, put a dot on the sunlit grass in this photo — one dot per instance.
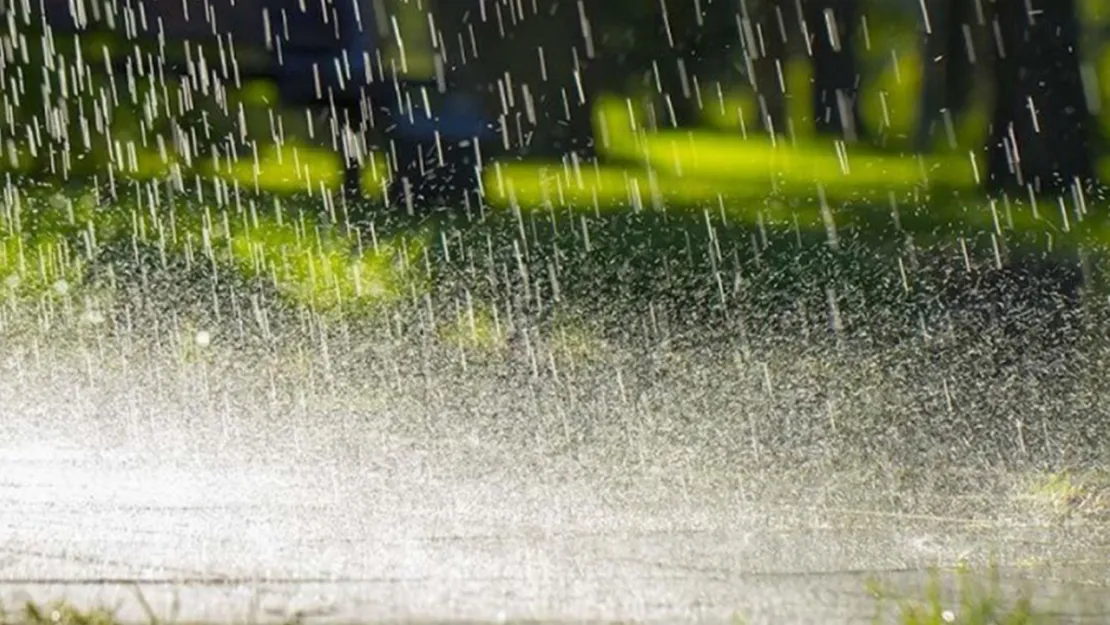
[289, 167]
[1082, 495]
[37, 268]
[261, 93]
[699, 167]
[57, 613]
[533, 186]
[295, 167]
[691, 171]
[978, 599]
[48, 240]
[572, 343]
[729, 160]
[39, 256]
[319, 265]
[323, 268]
[474, 327]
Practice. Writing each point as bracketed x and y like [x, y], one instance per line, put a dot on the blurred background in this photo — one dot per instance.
[213, 87]
[842, 254]
[712, 153]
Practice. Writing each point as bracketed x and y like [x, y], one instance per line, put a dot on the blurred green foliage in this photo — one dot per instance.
[64, 121]
[109, 129]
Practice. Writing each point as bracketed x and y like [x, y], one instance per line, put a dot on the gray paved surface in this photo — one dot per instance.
[403, 539]
[243, 482]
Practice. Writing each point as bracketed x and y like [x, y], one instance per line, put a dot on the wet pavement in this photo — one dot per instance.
[404, 537]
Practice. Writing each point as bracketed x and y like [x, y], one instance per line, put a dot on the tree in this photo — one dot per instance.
[1040, 131]
[1039, 137]
[836, 79]
[824, 30]
[670, 50]
[955, 44]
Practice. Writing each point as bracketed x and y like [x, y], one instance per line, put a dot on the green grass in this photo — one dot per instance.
[50, 238]
[977, 600]
[59, 613]
[1072, 495]
[571, 259]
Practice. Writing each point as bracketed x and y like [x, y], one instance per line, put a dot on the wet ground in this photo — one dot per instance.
[242, 484]
[402, 538]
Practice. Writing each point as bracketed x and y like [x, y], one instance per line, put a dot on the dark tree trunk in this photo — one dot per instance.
[1040, 128]
[826, 32]
[769, 33]
[955, 45]
[679, 48]
[836, 80]
[1039, 138]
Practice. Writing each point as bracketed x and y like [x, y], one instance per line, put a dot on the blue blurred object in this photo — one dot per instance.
[434, 132]
[455, 116]
[347, 73]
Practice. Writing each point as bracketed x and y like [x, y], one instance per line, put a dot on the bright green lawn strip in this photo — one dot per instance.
[49, 236]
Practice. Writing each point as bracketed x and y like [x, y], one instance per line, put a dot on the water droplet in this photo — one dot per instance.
[93, 317]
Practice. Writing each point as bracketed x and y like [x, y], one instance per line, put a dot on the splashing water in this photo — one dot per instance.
[455, 316]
